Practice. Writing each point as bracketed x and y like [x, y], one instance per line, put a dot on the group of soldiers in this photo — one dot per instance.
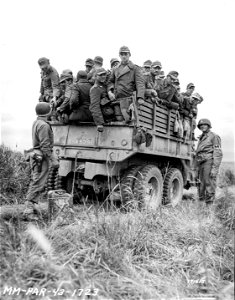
[101, 95]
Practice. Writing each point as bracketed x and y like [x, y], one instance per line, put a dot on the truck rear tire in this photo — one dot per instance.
[148, 187]
[173, 187]
[127, 184]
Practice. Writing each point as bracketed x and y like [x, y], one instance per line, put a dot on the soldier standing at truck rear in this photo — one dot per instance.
[41, 157]
[207, 160]
[125, 79]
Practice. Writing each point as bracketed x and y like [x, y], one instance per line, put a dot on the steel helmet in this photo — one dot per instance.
[43, 109]
[204, 122]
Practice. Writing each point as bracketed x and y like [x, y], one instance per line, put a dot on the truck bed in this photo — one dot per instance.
[116, 142]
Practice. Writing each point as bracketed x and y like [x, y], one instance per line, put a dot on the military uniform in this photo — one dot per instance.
[43, 140]
[50, 87]
[80, 100]
[126, 79]
[100, 104]
[208, 159]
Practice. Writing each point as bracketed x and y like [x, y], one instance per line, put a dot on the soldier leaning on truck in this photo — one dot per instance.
[207, 160]
[50, 88]
[80, 99]
[41, 157]
[100, 106]
[124, 80]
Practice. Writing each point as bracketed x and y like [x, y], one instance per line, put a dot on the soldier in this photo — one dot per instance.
[151, 80]
[114, 62]
[89, 63]
[208, 159]
[41, 157]
[194, 101]
[146, 66]
[125, 79]
[168, 90]
[80, 99]
[63, 110]
[50, 88]
[100, 104]
[98, 63]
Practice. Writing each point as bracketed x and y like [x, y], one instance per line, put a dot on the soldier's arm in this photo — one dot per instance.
[95, 109]
[111, 81]
[140, 83]
[217, 155]
[75, 93]
[55, 84]
[45, 135]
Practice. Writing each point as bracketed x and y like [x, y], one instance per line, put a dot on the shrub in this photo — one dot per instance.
[14, 175]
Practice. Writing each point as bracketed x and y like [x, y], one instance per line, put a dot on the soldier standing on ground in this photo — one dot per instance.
[125, 79]
[41, 157]
[50, 88]
[207, 160]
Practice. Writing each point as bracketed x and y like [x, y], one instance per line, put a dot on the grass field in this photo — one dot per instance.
[173, 253]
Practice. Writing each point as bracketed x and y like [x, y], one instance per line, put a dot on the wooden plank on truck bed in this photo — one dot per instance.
[161, 125]
[146, 125]
[161, 116]
[147, 109]
[147, 104]
[162, 110]
[161, 130]
[146, 120]
[145, 114]
[162, 121]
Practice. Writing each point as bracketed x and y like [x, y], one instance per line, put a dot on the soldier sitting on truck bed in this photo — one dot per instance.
[151, 81]
[126, 79]
[168, 90]
[146, 66]
[98, 63]
[100, 107]
[62, 104]
[80, 99]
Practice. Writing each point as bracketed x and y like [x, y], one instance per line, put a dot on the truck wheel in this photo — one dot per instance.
[127, 184]
[173, 187]
[148, 187]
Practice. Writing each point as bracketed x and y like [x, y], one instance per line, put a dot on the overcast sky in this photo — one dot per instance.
[195, 37]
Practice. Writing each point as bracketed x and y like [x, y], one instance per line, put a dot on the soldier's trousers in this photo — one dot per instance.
[207, 186]
[38, 180]
[121, 110]
[82, 114]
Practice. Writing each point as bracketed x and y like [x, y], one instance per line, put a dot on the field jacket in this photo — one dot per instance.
[126, 80]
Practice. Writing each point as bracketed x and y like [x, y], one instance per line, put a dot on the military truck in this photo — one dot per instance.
[114, 162]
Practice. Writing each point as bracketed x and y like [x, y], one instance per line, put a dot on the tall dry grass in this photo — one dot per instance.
[168, 254]
[174, 252]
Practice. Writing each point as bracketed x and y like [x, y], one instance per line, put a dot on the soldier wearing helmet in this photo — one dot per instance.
[41, 157]
[124, 80]
[207, 159]
[62, 105]
[50, 88]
